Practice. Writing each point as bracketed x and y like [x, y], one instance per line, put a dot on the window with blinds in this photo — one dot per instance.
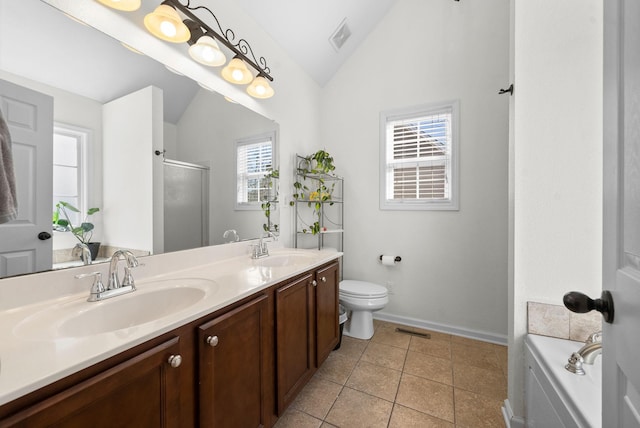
[69, 177]
[254, 160]
[418, 158]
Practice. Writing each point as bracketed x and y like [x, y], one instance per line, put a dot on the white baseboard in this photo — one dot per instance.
[443, 328]
[510, 420]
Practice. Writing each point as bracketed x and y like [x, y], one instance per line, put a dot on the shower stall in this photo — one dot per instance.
[186, 205]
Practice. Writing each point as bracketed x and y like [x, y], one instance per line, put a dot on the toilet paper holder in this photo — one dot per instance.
[397, 259]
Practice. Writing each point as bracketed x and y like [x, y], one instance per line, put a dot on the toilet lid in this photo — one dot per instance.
[351, 287]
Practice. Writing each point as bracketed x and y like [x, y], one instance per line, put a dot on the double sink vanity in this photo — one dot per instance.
[218, 339]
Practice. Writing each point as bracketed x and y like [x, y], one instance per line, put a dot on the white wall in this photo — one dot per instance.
[453, 273]
[556, 161]
[130, 196]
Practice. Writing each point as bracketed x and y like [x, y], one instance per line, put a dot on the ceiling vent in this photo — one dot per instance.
[340, 36]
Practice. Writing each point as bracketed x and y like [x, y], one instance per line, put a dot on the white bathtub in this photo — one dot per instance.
[555, 397]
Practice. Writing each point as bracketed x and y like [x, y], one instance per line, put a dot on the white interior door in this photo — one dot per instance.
[29, 115]
[621, 260]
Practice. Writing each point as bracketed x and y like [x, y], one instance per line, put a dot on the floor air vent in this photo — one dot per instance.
[413, 333]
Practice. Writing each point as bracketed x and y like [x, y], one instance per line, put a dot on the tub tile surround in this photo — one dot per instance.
[557, 321]
[30, 363]
[401, 380]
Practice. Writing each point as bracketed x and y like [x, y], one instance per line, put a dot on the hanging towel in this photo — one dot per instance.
[8, 201]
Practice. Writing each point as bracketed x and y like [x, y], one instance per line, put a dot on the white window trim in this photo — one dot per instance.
[85, 155]
[452, 203]
[252, 206]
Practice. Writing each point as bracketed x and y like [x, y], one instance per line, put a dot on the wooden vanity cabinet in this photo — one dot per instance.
[294, 338]
[326, 311]
[234, 367]
[241, 366]
[307, 329]
[143, 391]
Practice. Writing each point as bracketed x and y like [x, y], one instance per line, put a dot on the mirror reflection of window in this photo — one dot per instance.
[69, 177]
[254, 160]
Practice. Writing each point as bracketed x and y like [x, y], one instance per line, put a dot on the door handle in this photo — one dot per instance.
[581, 303]
[43, 236]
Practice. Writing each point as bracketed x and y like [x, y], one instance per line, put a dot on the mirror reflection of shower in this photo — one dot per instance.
[186, 205]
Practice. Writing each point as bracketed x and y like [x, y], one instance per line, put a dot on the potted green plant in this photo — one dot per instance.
[83, 232]
[272, 196]
[318, 165]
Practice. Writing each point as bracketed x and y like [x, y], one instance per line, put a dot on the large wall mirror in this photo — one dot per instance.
[146, 138]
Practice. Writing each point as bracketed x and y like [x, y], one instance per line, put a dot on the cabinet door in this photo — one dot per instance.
[233, 359]
[294, 338]
[141, 392]
[326, 312]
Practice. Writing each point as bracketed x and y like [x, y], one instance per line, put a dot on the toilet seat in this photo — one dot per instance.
[361, 289]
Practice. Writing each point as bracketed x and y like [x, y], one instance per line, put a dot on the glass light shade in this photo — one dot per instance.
[165, 23]
[237, 72]
[260, 88]
[206, 51]
[125, 5]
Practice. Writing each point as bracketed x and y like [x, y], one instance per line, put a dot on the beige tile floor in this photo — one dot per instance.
[401, 380]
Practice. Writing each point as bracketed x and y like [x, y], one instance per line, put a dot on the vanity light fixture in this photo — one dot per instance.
[167, 23]
[124, 5]
[206, 51]
[260, 88]
[237, 72]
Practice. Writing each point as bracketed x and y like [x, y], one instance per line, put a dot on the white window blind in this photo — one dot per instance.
[254, 159]
[418, 159]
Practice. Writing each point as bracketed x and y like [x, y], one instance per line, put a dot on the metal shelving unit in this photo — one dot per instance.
[320, 200]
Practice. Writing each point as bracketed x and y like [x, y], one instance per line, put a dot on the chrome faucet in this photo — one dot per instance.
[115, 288]
[585, 355]
[260, 249]
[127, 279]
[82, 250]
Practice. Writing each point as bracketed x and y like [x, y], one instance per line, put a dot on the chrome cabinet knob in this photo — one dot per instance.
[175, 361]
[314, 282]
[212, 341]
[323, 279]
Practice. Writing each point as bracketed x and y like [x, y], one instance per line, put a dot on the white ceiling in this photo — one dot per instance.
[303, 29]
[106, 71]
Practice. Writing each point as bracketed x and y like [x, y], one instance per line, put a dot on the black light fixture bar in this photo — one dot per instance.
[241, 49]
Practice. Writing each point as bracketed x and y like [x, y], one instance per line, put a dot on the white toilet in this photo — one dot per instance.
[361, 299]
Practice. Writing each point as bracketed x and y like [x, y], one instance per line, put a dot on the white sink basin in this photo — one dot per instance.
[152, 301]
[286, 259]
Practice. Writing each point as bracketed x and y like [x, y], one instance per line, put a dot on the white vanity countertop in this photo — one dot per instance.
[581, 394]
[28, 362]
